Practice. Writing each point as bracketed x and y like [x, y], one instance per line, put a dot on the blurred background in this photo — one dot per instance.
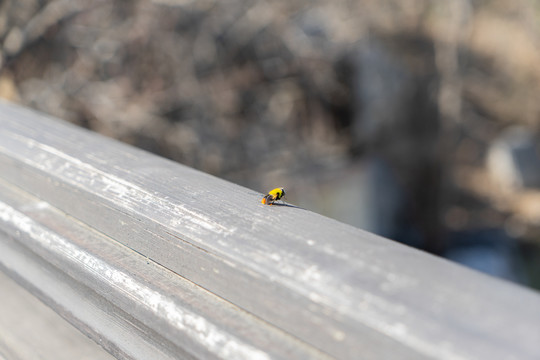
[414, 119]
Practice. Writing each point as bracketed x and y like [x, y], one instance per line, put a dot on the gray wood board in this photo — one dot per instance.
[132, 306]
[343, 290]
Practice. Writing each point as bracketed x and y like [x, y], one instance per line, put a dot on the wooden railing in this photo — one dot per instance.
[154, 260]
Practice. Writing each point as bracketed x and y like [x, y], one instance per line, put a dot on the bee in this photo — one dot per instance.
[273, 196]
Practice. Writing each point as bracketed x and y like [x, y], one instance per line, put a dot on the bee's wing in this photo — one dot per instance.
[268, 199]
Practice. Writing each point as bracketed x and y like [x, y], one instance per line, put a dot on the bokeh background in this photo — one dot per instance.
[414, 119]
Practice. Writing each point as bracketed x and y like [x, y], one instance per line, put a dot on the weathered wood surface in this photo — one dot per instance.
[227, 277]
[30, 330]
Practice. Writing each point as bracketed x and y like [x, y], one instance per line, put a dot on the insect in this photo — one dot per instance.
[273, 196]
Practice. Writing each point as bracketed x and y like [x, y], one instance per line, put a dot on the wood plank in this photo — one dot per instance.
[339, 289]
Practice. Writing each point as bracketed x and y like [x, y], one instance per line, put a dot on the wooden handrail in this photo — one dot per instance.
[153, 259]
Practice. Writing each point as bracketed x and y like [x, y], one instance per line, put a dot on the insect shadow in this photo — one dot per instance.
[288, 205]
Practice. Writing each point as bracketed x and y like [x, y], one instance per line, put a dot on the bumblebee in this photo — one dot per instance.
[273, 196]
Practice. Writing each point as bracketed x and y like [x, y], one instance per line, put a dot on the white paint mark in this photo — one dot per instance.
[397, 329]
[316, 298]
[276, 257]
[338, 335]
[40, 205]
[310, 274]
[222, 242]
